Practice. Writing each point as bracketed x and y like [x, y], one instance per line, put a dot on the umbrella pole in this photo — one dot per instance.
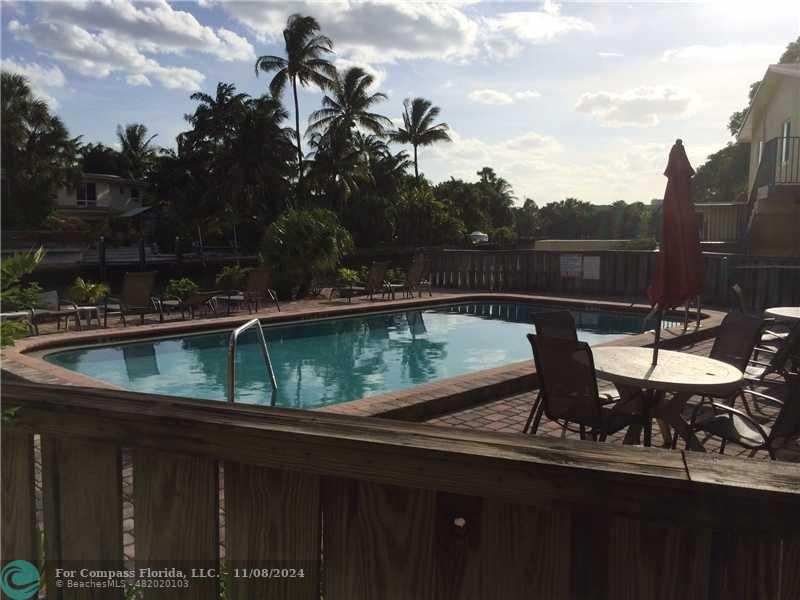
[658, 337]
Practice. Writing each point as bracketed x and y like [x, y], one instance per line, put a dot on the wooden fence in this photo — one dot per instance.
[614, 274]
[403, 510]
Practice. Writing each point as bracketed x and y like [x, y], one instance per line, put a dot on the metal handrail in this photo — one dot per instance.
[234, 337]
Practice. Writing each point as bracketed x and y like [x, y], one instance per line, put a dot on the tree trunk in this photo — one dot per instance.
[297, 130]
[416, 169]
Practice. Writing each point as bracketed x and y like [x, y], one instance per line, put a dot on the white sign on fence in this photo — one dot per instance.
[591, 267]
[571, 265]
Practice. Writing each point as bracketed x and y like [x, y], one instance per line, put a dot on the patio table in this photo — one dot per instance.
[784, 313]
[677, 372]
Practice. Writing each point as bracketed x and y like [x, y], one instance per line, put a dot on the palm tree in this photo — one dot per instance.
[137, 153]
[215, 116]
[304, 64]
[418, 128]
[349, 105]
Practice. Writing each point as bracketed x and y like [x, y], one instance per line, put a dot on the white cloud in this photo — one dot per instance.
[154, 27]
[101, 54]
[640, 107]
[610, 55]
[380, 31]
[533, 26]
[40, 77]
[728, 53]
[100, 37]
[498, 98]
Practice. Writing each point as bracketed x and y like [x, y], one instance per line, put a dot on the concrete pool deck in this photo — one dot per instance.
[420, 403]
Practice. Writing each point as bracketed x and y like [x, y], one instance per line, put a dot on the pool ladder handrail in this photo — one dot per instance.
[232, 340]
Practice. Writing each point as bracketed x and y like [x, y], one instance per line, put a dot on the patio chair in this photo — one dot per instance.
[373, 285]
[737, 427]
[783, 360]
[569, 392]
[191, 304]
[560, 324]
[136, 298]
[417, 278]
[51, 307]
[767, 335]
[258, 287]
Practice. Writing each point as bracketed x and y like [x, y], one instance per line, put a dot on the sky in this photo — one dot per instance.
[563, 99]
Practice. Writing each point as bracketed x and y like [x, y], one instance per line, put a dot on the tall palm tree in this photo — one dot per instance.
[349, 105]
[136, 150]
[215, 117]
[304, 64]
[418, 128]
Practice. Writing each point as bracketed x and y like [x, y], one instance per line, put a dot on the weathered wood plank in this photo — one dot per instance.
[82, 483]
[18, 520]
[272, 520]
[378, 541]
[745, 566]
[527, 552]
[657, 561]
[176, 513]
[459, 549]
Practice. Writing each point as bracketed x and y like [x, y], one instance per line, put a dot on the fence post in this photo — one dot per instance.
[101, 257]
[178, 253]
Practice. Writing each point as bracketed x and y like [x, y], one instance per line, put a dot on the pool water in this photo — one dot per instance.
[324, 362]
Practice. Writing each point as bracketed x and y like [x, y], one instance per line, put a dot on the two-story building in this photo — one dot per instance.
[772, 127]
[100, 196]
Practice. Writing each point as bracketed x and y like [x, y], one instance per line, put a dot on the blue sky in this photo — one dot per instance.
[562, 99]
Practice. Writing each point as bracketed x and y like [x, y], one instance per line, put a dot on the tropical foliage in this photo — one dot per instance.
[181, 288]
[419, 128]
[38, 155]
[89, 292]
[16, 293]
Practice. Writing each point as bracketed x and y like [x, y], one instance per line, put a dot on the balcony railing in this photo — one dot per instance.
[780, 163]
[404, 510]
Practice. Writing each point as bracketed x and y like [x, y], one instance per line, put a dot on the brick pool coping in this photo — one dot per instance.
[413, 404]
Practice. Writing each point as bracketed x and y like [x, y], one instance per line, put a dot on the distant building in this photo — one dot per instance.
[100, 196]
[772, 127]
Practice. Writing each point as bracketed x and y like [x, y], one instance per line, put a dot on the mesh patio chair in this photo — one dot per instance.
[738, 336]
[569, 390]
[767, 335]
[257, 288]
[737, 427]
[373, 285]
[560, 324]
[417, 278]
[136, 298]
[50, 307]
[197, 301]
[784, 359]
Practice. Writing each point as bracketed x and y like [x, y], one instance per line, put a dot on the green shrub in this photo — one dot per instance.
[232, 277]
[87, 292]
[14, 294]
[302, 243]
[503, 236]
[181, 288]
[348, 276]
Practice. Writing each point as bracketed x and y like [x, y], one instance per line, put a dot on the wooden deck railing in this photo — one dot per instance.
[380, 509]
[619, 274]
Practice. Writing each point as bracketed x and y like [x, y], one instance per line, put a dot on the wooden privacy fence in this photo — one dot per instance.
[766, 281]
[383, 509]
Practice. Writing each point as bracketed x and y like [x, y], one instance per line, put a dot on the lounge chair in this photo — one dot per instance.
[191, 304]
[136, 298]
[767, 335]
[417, 278]
[737, 427]
[374, 283]
[569, 391]
[51, 307]
[258, 287]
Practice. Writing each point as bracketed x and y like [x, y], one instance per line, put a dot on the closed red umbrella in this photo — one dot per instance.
[679, 266]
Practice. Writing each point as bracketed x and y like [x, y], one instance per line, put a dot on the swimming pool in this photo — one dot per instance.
[328, 361]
